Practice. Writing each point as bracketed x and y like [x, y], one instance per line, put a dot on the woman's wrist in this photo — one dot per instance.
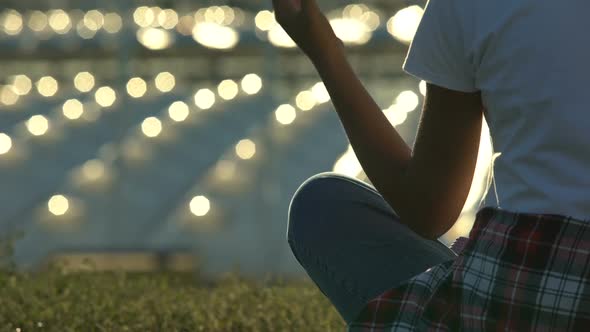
[331, 48]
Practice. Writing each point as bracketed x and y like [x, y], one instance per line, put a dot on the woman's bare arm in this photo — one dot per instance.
[427, 187]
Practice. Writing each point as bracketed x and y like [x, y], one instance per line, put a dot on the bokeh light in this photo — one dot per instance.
[422, 87]
[143, 16]
[320, 93]
[168, 19]
[93, 20]
[204, 99]
[136, 87]
[216, 36]
[73, 109]
[246, 149]
[200, 206]
[265, 20]
[58, 205]
[105, 96]
[22, 84]
[47, 86]
[348, 164]
[407, 100]
[38, 21]
[351, 31]
[5, 143]
[151, 127]
[228, 89]
[251, 84]
[93, 170]
[84, 81]
[305, 100]
[113, 23]
[8, 95]
[165, 81]
[279, 37]
[403, 25]
[285, 114]
[60, 21]
[38, 125]
[11, 22]
[178, 111]
[155, 38]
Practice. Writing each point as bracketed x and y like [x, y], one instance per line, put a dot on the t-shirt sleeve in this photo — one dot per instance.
[437, 53]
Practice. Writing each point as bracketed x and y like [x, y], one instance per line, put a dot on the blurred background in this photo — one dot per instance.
[149, 135]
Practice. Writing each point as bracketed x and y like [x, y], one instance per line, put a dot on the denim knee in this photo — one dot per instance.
[312, 197]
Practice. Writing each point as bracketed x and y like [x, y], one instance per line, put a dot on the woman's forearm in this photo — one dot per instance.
[380, 149]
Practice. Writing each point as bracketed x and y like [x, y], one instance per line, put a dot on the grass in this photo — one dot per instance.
[162, 301]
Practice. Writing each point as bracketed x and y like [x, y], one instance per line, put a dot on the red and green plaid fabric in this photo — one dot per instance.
[516, 272]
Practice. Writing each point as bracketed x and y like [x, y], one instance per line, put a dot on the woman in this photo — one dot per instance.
[525, 265]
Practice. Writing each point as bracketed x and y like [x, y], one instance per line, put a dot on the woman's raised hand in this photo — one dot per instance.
[306, 25]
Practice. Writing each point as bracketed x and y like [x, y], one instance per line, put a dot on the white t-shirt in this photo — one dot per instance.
[531, 61]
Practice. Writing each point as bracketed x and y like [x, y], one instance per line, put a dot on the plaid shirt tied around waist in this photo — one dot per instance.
[515, 272]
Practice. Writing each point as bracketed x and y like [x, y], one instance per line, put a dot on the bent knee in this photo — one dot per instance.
[310, 203]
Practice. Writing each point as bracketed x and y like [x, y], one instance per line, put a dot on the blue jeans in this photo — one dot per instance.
[351, 243]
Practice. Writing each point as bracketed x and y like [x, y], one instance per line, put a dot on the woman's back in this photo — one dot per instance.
[530, 60]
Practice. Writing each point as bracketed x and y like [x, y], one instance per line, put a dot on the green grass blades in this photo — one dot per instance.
[159, 301]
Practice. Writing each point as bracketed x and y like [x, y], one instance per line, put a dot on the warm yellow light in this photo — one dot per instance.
[371, 20]
[93, 169]
[305, 100]
[143, 16]
[112, 23]
[105, 96]
[73, 109]
[485, 161]
[60, 21]
[396, 115]
[178, 111]
[47, 86]
[38, 21]
[8, 95]
[155, 38]
[151, 127]
[93, 20]
[185, 25]
[407, 100]
[229, 15]
[279, 37]
[404, 23]
[136, 87]
[165, 81]
[22, 84]
[285, 114]
[348, 164]
[58, 205]
[228, 89]
[422, 87]
[265, 20]
[168, 18]
[351, 31]
[215, 14]
[38, 125]
[320, 93]
[225, 170]
[246, 149]
[216, 36]
[251, 84]
[200, 206]
[5, 143]
[12, 22]
[84, 81]
[204, 99]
